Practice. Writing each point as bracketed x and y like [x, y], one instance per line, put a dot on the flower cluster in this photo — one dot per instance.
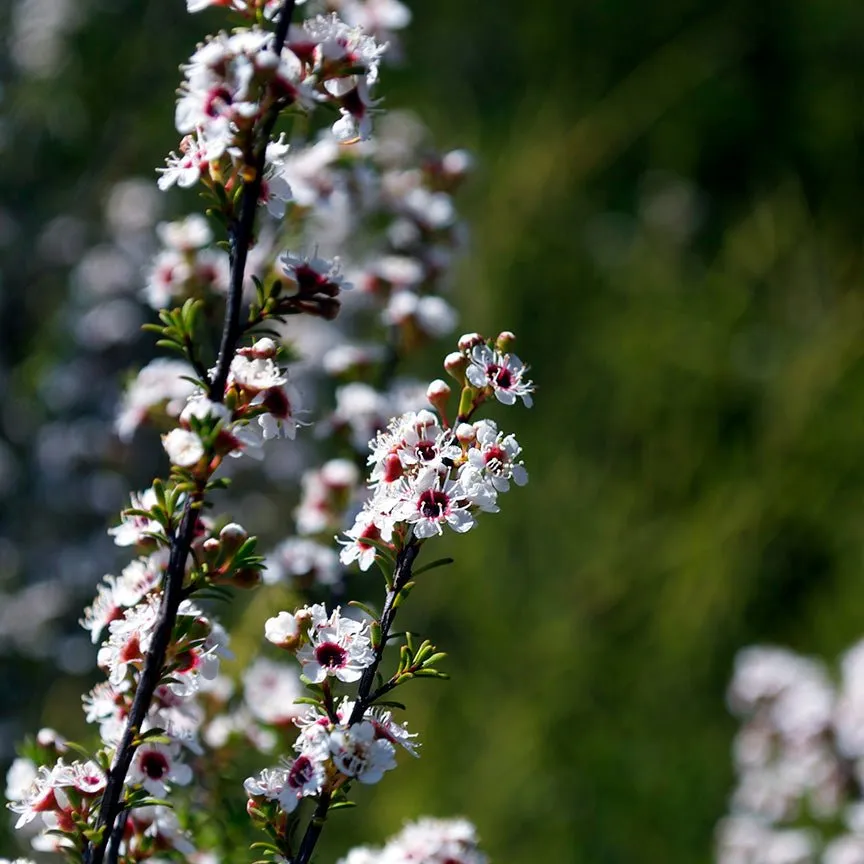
[430, 841]
[799, 757]
[234, 80]
[330, 752]
[427, 475]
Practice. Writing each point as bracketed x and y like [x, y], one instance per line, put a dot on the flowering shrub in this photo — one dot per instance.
[167, 717]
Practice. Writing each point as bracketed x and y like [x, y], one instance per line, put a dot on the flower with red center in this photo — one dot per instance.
[339, 647]
[431, 502]
[156, 765]
[500, 373]
[495, 457]
[314, 284]
[367, 526]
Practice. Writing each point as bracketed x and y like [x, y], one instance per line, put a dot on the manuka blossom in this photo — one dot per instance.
[495, 456]
[157, 765]
[502, 373]
[223, 83]
[431, 502]
[138, 579]
[358, 752]
[287, 784]
[338, 647]
[184, 447]
[185, 169]
[185, 267]
[269, 691]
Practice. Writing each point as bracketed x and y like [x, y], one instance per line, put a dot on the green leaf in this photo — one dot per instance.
[372, 613]
[441, 562]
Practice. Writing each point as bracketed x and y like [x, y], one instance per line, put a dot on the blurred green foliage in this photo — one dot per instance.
[667, 213]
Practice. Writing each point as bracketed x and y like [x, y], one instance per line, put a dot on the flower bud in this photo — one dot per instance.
[231, 538]
[468, 340]
[465, 433]
[51, 739]
[211, 547]
[184, 448]
[438, 393]
[393, 469]
[265, 348]
[505, 341]
[284, 631]
[202, 408]
[456, 364]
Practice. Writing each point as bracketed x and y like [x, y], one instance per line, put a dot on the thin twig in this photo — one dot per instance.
[313, 830]
[240, 231]
[365, 696]
[110, 805]
[401, 576]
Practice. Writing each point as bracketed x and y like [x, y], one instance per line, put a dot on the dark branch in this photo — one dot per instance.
[240, 232]
[313, 830]
[402, 575]
[110, 805]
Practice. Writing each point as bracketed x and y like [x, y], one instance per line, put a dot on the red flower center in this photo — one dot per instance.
[330, 655]
[154, 765]
[433, 504]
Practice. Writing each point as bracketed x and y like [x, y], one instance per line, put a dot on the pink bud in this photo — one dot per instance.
[265, 348]
[465, 433]
[456, 364]
[438, 393]
[504, 341]
[468, 340]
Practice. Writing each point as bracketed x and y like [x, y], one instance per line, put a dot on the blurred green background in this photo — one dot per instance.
[667, 211]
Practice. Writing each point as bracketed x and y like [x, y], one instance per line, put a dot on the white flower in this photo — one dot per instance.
[283, 406]
[44, 794]
[436, 841]
[185, 169]
[340, 648]
[201, 408]
[268, 783]
[19, 778]
[133, 529]
[359, 753]
[495, 456]
[313, 276]
[362, 410]
[155, 765]
[284, 629]
[367, 526]
[430, 502]
[186, 235]
[255, 374]
[129, 639]
[184, 447]
[501, 372]
[138, 578]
